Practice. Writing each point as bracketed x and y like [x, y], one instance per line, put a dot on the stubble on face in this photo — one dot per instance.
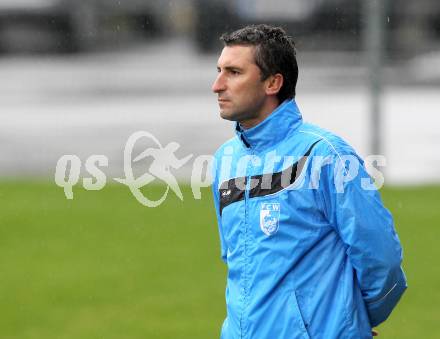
[240, 90]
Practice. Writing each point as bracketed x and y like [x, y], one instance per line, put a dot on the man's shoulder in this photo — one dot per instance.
[328, 143]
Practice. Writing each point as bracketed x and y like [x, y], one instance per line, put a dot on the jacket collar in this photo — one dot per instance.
[277, 126]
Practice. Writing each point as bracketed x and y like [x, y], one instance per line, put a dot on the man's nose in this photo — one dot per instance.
[219, 84]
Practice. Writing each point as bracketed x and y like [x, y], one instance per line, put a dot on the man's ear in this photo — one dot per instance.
[274, 84]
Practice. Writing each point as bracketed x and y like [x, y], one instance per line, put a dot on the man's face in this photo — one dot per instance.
[241, 93]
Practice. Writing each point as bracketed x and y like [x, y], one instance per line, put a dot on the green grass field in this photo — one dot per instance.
[104, 266]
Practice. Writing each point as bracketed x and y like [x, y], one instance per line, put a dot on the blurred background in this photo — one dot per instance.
[79, 76]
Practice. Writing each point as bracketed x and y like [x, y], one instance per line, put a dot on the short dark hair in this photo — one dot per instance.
[274, 53]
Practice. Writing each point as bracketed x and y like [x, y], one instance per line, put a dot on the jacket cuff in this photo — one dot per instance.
[379, 310]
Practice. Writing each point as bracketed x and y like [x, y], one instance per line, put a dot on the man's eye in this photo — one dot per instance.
[233, 72]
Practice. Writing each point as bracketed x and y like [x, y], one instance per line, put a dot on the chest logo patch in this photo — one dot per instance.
[269, 217]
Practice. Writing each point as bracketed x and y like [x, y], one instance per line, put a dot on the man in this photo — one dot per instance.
[310, 249]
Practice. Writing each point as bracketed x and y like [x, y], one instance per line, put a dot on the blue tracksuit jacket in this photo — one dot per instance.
[310, 249]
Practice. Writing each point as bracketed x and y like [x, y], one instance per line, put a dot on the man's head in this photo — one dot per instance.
[257, 71]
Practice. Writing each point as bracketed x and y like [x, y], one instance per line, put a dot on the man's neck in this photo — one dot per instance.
[265, 111]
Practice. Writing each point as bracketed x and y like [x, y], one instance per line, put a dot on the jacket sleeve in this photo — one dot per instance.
[367, 230]
[216, 197]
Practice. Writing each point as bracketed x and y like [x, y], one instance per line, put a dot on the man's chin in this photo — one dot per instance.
[228, 115]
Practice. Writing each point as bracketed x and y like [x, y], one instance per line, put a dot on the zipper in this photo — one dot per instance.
[245, 234]
[245, 250]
